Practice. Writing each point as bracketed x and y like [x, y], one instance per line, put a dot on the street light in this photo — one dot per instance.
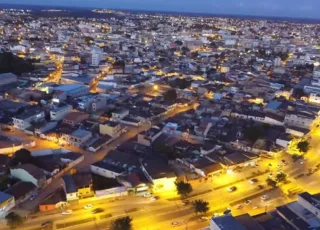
[155, 87]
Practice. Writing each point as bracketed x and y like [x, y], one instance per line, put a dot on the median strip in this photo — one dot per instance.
[74, 223]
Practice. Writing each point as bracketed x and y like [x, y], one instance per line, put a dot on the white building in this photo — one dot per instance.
[96, 56]
[23, 121]
[299, 119]
[314, 98]
[59, 111]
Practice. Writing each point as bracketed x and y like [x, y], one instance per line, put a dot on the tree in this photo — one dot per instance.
[14, 220]
[170, 95]
[88, 40]
[200, 206]
[123, 223]
[179, 43]
[14, 64]
[253, 133]
[21, 156]
[303, 146]
[271, 183]
[281, 177]
[183, 189]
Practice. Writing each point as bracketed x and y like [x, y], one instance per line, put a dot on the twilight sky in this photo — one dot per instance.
[284, 8]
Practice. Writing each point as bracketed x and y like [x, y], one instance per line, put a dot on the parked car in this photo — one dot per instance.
[67, 212]
[254, 180]
[203, 218]
[232, 189]
[264, 197]
[247, 202]
[175, 224]
[88, 206]
[46, 223]
[147, 195]
[97, 210]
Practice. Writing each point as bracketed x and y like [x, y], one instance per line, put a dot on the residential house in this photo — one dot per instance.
[24, 120]
[75, 118]
[29, 173]
[110, 128]
[22, 191]
[60, 111]
[120, 114]
[76, 138]
[7, 202]
[302, 119]
[56, 200]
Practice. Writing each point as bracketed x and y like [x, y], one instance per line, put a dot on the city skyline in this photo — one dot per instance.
[271, 8]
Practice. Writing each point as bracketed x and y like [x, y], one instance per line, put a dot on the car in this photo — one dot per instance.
[260, 187]
[203, 218]
[147, 195]
[255, 207]
[254, 180]
[239, 206]
[247, 202]
[279, 166]
[185, 202]
[97, 210]
[264, 197]
[232, 189]
[175, 223]
[270, 175]
[46, 223]
[284, 162]
[88, 206]
[154, 198]
[67, 212]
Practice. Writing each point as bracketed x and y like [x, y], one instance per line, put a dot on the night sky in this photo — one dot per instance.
[282, 8]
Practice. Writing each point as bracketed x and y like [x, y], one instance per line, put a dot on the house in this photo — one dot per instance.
[75, 118]
[73, 90]
[43, 127]
[76, 138]
[160, 175]
[24, 120]
[70, 188]
[58, 112]
[225, 222]
[148, 136]
[29, 173]
[110, 128]
[56, 200]
[302, 119]
[22, 191]
[7, 78]
[84, 185]
[120, 114]
[7, 202]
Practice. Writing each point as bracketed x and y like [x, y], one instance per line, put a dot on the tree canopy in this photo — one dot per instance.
[123, 223]
[170, 95]
[14, 220]
[271, 183]
[303, 146]
[10, 63]
[281, 177]
[200, 206]
[183, 188]
[22, 156]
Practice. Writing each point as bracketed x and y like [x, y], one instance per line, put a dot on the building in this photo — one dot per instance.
[84, 185]
[24, 120]
[75, 118]
[70, 188]
[73, 90]
[60, 111]
[22, 191]
[120, 114]
[226, 222]
[57, 200]
[7, 202]
[76, 138]
[302, 119]
[7, 78]
[110, 128]
[29, 173]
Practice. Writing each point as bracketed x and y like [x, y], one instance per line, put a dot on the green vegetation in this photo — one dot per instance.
[14, 220]
[183, 188]
[123, 223]
[10, 63]
[303, 146]
[271, 183]
[22, 156]
[281, 177]
[200, 206]
[170, 95]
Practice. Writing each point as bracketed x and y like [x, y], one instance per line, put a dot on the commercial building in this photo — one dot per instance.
[73, 90]
[23, 121]
[110, 128]
[60, 111]
[29, 173]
